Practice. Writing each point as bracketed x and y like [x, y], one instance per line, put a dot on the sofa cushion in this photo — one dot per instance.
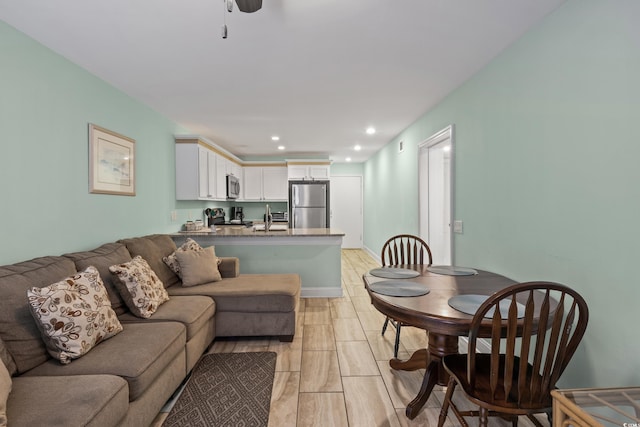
[6, 358]
[153, 248]
[249, 293]
[192, 311]
[17, 328]
[229, 267]
[5, 389]
[198, 267]
[73, 315]
[139, 286]
[139, 354]
[102, 258]
[79, 400]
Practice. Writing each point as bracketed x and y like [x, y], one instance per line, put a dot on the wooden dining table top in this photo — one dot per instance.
[432, 310]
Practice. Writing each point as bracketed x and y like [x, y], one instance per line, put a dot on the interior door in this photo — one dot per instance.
[346, 209]
[435, 174]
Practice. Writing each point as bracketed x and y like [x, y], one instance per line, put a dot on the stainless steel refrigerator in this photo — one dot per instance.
[309, 204]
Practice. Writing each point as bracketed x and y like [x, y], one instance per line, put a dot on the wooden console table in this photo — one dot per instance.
[619, 407]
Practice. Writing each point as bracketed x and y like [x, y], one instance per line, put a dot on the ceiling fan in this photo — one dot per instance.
[248, 6]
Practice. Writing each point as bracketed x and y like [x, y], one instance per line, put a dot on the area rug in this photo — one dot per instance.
[226, 389]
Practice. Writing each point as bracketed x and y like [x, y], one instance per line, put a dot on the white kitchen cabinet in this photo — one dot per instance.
[195, 172]
[274, 183]
[308, 171]
[267, 183]
[252, 183]
[221, 176]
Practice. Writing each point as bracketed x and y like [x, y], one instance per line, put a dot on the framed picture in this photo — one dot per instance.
[111, 162]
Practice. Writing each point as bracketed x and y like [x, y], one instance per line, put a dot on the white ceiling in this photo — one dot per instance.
[314, 72]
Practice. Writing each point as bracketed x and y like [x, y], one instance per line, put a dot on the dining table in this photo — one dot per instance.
[433, 289]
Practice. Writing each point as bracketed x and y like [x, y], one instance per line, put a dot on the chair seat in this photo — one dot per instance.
[456, 365]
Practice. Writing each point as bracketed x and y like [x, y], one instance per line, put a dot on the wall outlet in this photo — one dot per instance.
[174, 215]
[457, 226]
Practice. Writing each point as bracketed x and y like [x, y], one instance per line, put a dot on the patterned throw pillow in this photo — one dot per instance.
[73, 315]
[188, 245]
[139, 286]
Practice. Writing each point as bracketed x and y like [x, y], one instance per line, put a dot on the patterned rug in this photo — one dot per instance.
[226, 389]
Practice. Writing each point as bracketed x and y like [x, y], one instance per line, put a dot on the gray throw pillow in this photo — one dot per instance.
[198, 267]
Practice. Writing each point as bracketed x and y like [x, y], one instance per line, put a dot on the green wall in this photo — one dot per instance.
[46, 104]
[546, 173]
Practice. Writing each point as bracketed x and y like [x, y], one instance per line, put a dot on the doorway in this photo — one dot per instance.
[346, 209]
[436, 198]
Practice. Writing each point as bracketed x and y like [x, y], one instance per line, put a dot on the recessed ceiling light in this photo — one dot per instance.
[348, 159]
[371, 130]
[357, 147]
[281, 147]
[275, 138]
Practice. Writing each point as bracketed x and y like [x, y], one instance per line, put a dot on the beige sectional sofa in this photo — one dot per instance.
[126, 379]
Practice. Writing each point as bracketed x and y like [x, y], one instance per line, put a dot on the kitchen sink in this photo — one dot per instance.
[274, 227]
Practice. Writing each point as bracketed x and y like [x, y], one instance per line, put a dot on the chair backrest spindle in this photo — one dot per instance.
[532, 343]
[405, 249]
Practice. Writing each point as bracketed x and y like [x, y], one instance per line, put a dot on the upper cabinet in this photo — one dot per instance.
[268, 183]
[308, 170]
[274, 183]
[224, 167]
[201, 172]
[202, 169]
[195, 173]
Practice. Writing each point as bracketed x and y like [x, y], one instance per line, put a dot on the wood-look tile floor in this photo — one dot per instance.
[336, 371]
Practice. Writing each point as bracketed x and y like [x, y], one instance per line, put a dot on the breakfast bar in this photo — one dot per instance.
[313, 253]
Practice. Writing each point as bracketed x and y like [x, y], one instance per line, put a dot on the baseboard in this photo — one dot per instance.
[373, 255]
[321, 292]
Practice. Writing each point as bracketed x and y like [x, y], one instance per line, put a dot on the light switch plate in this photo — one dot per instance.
[457, 226]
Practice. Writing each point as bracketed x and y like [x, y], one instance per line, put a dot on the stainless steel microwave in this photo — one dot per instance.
[233, 187]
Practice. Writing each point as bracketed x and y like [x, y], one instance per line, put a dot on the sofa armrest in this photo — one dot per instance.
[229, 267]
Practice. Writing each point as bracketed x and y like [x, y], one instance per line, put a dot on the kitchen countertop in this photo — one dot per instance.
[248, 232]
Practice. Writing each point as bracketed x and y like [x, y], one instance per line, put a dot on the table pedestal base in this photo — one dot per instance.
[431, 360]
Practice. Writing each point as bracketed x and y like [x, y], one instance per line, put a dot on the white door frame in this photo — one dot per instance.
[438, 137]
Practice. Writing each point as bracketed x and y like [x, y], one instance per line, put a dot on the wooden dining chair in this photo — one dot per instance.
[403, 249]
[531, 345]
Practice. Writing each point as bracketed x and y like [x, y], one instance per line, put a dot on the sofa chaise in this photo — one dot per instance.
[126, 379]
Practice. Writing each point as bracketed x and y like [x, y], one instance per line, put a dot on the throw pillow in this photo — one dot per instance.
[73, 315]
[5, 389]
[172, 261]
[198, 267]
[139, 286]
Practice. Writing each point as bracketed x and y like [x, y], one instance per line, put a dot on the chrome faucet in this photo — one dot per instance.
[268, 219]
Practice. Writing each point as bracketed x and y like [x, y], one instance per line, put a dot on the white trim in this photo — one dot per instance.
[332, 292]
[442, 135]
[373, 255]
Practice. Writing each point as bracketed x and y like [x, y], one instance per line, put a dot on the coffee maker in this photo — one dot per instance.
[237, 214]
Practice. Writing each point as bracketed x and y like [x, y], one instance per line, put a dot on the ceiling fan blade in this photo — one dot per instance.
[249, 6]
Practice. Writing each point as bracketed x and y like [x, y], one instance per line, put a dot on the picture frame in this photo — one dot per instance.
[111, 162]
